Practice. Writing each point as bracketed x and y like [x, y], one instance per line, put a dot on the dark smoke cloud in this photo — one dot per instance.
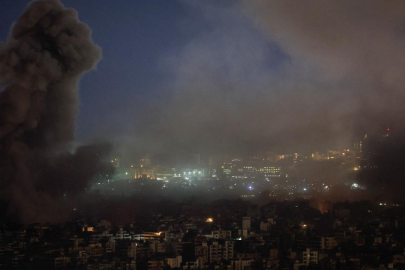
[41, 63]
[356, 45]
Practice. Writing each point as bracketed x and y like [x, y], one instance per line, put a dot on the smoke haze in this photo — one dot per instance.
[249, 76]
[280, 75]
[47, 52]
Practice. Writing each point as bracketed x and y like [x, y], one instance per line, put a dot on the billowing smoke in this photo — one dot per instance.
[281, 76]
[350, 50]
[41, 63]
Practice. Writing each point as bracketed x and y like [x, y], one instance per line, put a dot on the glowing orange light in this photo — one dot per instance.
[209, 220]
[88, 229]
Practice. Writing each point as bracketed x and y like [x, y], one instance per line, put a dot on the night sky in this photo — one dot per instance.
[135, 36]
[214, 76]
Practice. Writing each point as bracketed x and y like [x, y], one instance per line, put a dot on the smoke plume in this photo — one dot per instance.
[354, 45]
[281, 76]
[47, 52]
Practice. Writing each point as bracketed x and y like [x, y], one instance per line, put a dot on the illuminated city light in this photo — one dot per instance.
[209, 220]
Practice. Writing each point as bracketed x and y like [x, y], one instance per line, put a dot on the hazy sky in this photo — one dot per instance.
[134, 36]
[198, 75]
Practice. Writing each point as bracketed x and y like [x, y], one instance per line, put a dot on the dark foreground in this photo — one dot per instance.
[225, 234]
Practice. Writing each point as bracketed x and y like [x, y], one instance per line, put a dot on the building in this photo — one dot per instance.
[241, 264]
[156, 264]
[246, 223]
[145, 162]
[174, 262]
[309, 257]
